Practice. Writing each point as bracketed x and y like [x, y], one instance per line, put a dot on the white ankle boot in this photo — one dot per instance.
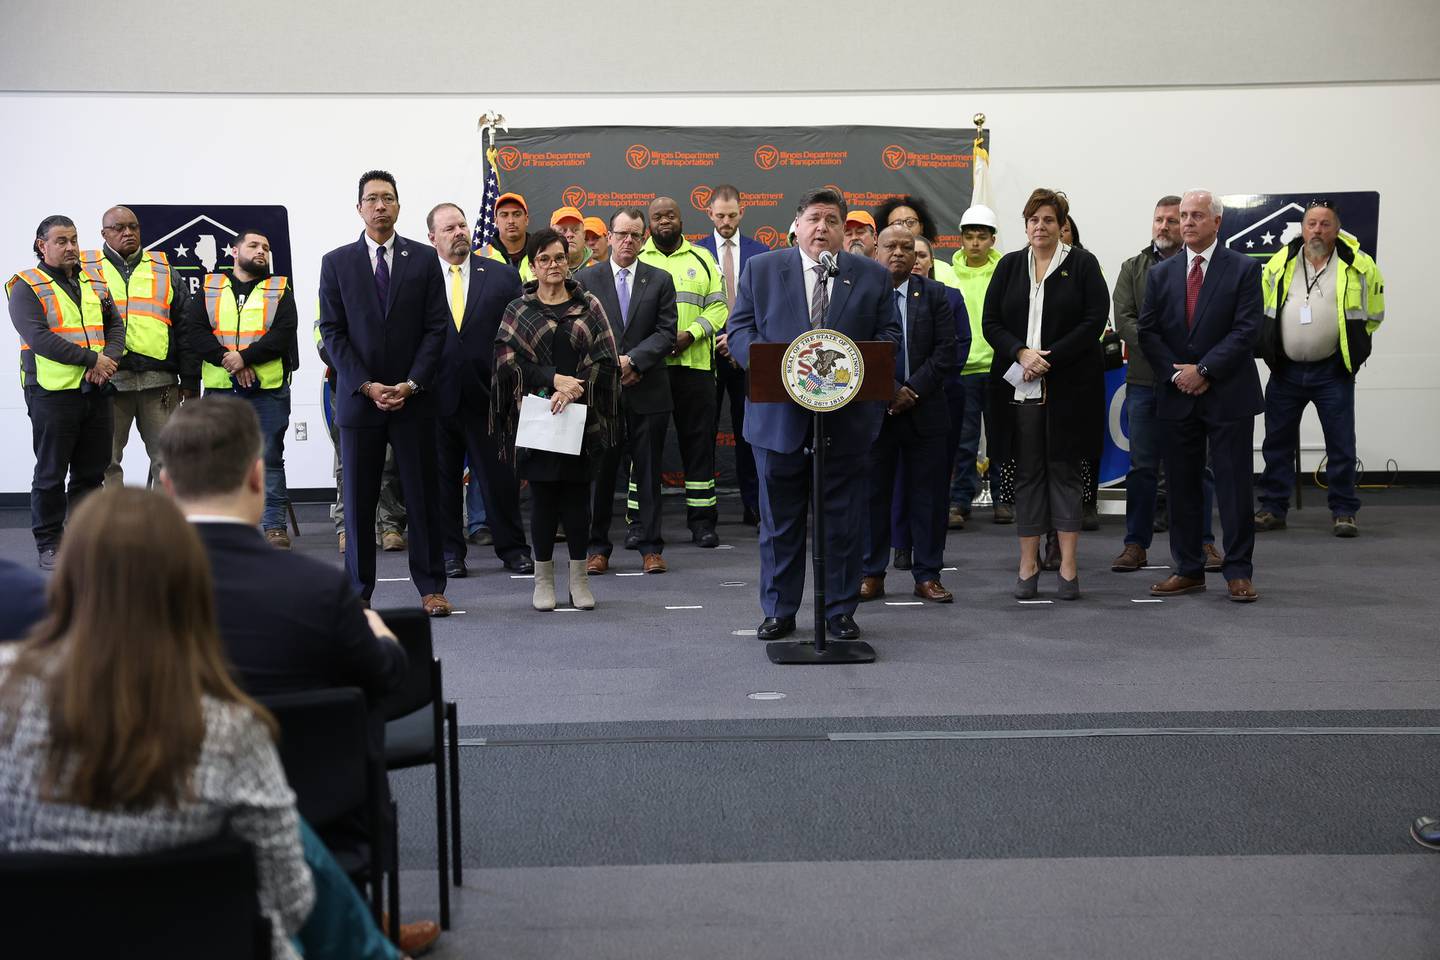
[544, 598]
[580, 594]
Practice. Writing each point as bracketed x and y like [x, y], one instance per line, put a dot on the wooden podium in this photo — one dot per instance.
[767, 386]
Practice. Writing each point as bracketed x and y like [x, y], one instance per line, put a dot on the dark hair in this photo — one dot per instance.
[430, 217]
[823, 195]
[545, 238]
[369, 175]
[1074, 233]
[240, 237]
[725, 191]
[1045, 197]
[930, 249]
[42, 232]
[922, 213]
[1169, 200]
[209, 445]
[634, 213]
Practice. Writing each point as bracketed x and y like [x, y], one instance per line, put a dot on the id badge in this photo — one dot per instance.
[1305, 314]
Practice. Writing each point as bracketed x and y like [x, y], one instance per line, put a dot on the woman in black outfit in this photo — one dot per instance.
[555, 341]
[1044, 310]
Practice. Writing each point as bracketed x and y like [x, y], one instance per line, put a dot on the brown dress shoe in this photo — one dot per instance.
[1174, 585]
[871, 588]
[1241, 591]
[955, 520]
[1132, 558]
[598, 563]
[392, 541]
[415, 938]
[435, 605]
[278, 538]
[1213, 560]
[653, 563]
[934, 591]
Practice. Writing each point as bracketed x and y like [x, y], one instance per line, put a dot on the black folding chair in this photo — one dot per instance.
[325, 749]
[198, 900]
[416, 719]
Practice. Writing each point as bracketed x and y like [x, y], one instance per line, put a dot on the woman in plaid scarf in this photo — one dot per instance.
[556, 341]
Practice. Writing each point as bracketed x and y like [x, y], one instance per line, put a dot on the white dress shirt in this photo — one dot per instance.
[904, 291]
[1037, 299]
[464, 266]
[389, 246]
[808, 266]
[1208, 253]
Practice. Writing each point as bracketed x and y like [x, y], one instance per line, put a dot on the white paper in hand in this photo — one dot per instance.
[1028, 389]
[540, 429]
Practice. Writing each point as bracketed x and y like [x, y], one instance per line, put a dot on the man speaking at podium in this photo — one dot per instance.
[781, 295]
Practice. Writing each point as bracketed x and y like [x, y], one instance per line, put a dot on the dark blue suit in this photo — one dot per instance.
[463, 395]
[388, 343]
[24, 599]
[730, 378]
[916, 438]
[1222, 339]
[770, 307]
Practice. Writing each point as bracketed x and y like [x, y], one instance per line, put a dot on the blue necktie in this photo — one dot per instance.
[902, 358]
[382, 277]
[622, 290]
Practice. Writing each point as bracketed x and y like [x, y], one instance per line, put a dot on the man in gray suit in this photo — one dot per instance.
[640, 301]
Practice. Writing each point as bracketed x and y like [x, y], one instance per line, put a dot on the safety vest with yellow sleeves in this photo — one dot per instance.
[526, 274]
[237, 327]
[1359, 300]
[143, 300]
[82, 324]
[700, 306]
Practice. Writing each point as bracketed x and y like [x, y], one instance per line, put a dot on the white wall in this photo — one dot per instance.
[1112, 152]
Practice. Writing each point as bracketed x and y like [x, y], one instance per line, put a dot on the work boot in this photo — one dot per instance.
[277, 538]
[544, 596]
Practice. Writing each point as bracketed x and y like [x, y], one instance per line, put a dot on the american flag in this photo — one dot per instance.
[485, 217]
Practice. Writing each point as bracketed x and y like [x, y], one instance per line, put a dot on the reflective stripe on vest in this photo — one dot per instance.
[143, 300]
[238, 327]
[82, 325]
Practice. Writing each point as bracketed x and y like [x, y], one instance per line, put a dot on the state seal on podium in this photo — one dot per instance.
[822, 370]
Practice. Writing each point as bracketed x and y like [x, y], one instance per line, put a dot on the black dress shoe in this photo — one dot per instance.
[632, 539]
[47, 558]
[751, 518]
[455, 570]
[843, 627]
[773, 628]
[1426, 832]
[520, 564]
[902, 560]
[707, 538]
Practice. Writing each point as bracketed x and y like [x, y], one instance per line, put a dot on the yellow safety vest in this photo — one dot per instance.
[526, 274]
[82, 325]
[238, 327]
[700, 305]
[1359, 296]
[143, 300]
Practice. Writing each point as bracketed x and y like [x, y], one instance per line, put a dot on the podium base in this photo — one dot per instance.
[836, 651]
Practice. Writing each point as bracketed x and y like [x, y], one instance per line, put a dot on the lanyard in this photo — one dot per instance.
[1311, 284]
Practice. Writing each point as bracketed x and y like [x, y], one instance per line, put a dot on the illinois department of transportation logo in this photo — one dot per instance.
[893, 156]
[509, 158]
[637, 156]
[700, 197]
[767, 156]
[822, 370]
[573, 196]
[200, 238]
[769, 236]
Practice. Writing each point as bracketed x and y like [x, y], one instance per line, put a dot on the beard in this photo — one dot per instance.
[254, 267]
[1317, 249]
[1164, 244]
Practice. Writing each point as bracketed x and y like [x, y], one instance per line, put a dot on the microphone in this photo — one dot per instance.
[828, 261]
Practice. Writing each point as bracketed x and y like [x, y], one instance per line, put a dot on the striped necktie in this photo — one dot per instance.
[820, 302]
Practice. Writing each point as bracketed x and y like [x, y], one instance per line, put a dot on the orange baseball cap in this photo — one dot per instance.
[512, 198]
[860, 216]
[566, 213]
[596, 226]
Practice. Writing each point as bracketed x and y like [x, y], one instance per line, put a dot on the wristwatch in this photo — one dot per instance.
[1203, 370]
[414, 387]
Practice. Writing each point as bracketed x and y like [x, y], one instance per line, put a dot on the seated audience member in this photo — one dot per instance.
[23, 591]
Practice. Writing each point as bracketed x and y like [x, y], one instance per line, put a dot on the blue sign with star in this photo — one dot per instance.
[1258, 224]
[199, 238]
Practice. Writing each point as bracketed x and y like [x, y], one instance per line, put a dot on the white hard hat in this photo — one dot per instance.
[979, 216]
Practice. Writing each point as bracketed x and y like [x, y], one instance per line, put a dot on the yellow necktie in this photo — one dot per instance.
[457, 295]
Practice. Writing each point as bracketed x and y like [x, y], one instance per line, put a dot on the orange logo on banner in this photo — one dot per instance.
[893, 156]
[573, 196]
[768, 236]
[700, 197]
[767, 156]
[637, 156]
[509, 158]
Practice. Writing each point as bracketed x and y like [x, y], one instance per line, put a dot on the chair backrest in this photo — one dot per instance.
[324, 747]
[412, 629]
[194, 901]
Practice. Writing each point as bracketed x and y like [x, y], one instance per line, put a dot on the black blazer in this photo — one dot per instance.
[24, 603]
[649, 333]
[1227, 325]
[388, 343]
[469, 358]
[930, 329]
[1077, 303]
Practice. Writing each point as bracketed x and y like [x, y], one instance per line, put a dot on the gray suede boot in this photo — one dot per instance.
[580, 594]
[544, 598]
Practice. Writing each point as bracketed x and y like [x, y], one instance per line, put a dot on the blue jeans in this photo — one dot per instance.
[340, 925]
[966, 482]
[272, 408]
[1328, 385]
[474, 503]
[1142, 481]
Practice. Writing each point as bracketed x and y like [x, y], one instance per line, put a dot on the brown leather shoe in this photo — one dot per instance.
[653, 563]
[1241, 591]
[1213, 560]
[415, 938]
[598, 563]
[1132, 558]
[1174, 585]
[872, 588]
[955, 520]
[278, 538]
[435, 605]
[392, 541]
[934, 591]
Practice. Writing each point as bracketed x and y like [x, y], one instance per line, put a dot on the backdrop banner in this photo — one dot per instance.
[199, 238]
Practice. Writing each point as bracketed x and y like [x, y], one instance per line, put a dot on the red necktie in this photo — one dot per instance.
[1192, 290]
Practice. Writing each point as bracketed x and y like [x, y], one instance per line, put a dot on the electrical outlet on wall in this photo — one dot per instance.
[302, 430]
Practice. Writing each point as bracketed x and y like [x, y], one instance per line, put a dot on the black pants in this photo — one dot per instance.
[467, 433]
[694, 394]
[362, 455]
[640, 455]
[732, 379]
[72, 432]
[553, 502]
[1230, 451]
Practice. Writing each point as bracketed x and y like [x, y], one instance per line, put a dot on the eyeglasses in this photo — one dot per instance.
[618, 235]
[909, 223]
[556, 261]
[131, 227]
[371, 199]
